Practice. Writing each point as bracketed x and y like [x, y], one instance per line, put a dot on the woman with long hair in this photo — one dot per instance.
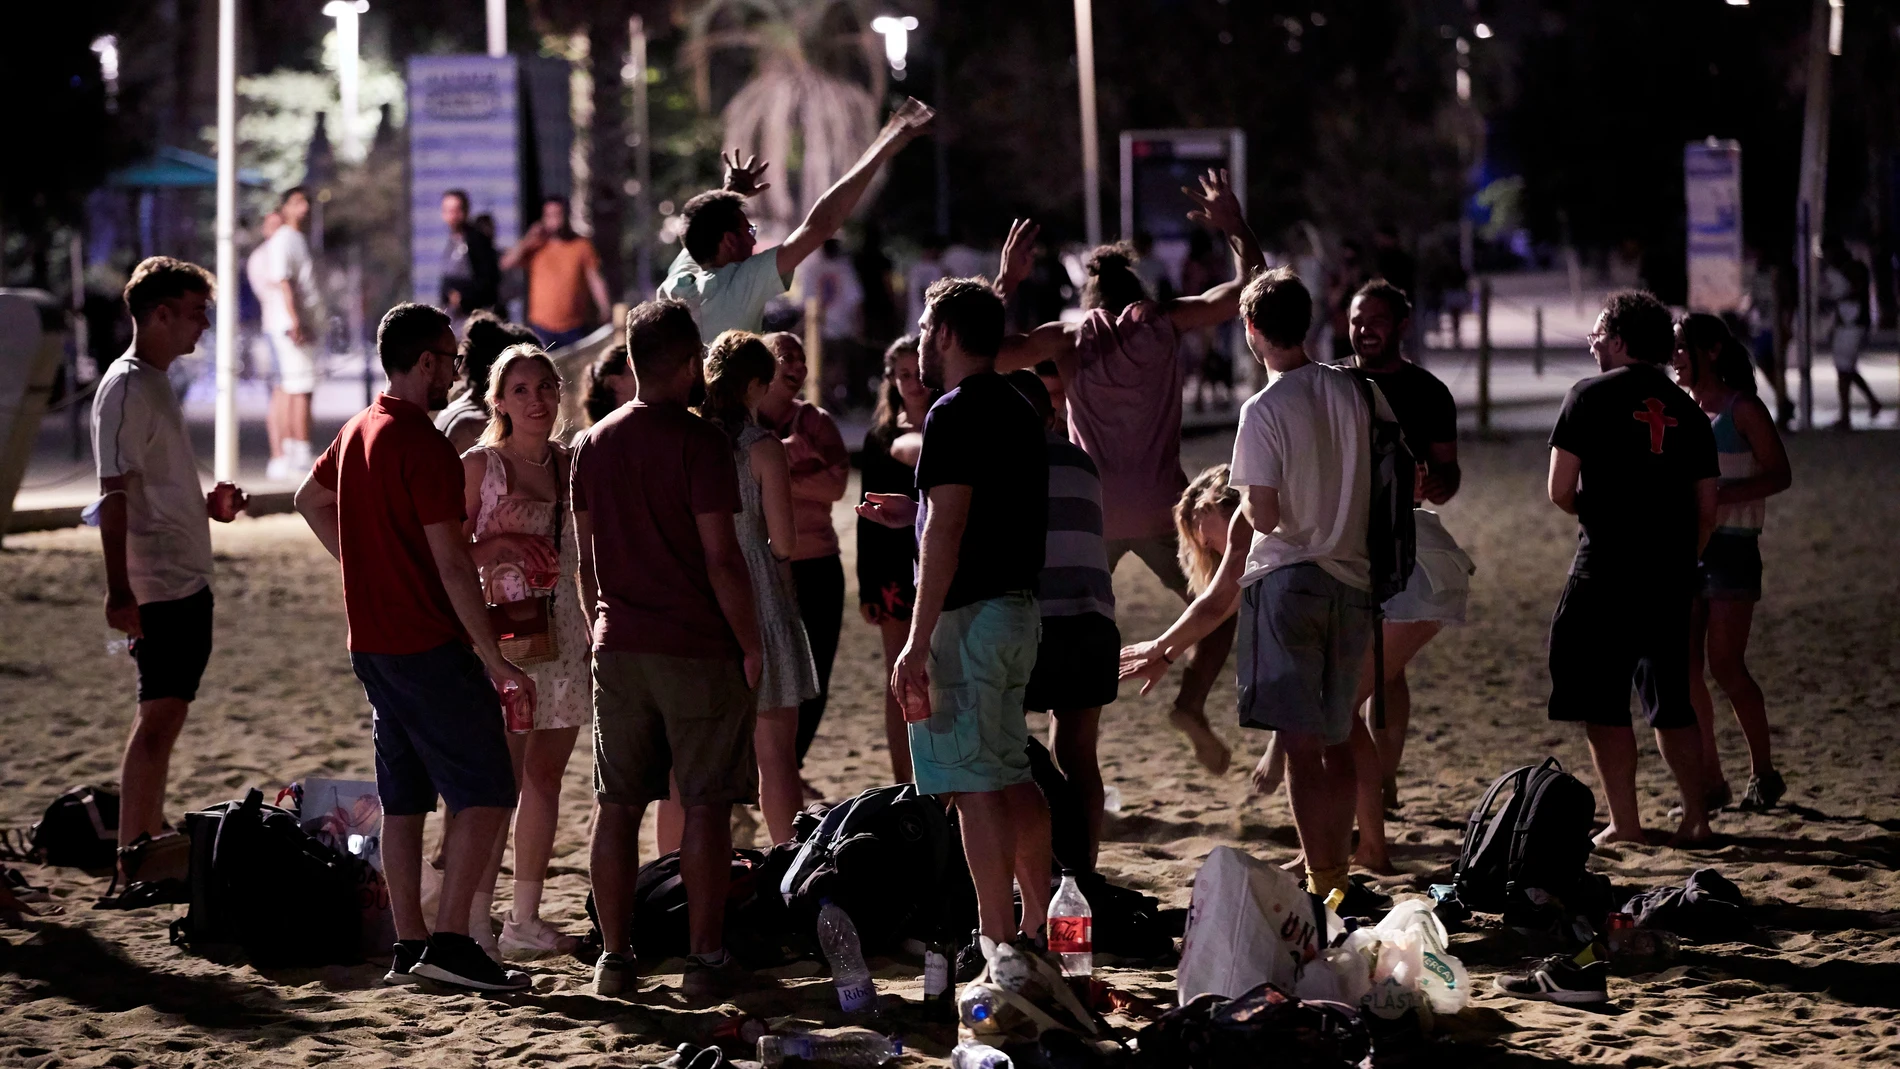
[887, 556]
[1716, 370]
[521, 529]
[739, 370]
[484, 337]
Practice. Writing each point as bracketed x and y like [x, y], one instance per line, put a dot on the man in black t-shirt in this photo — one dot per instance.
[1634, 459]
[974, 627]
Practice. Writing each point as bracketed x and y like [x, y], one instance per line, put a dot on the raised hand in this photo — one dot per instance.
[743, 178]
[1216, 207]
[909, 121]
[1019, 256]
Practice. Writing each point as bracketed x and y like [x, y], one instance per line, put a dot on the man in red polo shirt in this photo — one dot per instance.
[386, 500]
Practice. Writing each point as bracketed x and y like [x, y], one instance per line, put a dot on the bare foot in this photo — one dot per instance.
[1614, 834]
[1688, 834]
[1213, 754]
[1270, 769]
[1375, 861]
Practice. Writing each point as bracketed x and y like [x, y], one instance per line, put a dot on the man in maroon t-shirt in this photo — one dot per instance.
[386, 500]
[676, 643]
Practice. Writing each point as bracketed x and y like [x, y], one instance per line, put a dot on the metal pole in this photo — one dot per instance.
[1484, 358]
[82, 335]
[642, 160]
[1537, 352]
[497, 28]
[1091, 138]
[225, 455]
[1804, 278]
[1811, 196]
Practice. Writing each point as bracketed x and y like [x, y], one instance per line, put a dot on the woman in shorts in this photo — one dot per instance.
[1715, 369]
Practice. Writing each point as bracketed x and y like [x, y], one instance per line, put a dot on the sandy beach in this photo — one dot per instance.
[279, 703]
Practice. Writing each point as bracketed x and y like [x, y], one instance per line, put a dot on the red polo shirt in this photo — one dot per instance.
[393, 474]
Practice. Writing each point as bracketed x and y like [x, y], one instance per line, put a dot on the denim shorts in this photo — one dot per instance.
[438, 729]
[1731, 567]
[1303, 641]
[981, 657]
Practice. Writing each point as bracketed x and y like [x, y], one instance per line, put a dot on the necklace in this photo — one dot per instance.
[542, 463]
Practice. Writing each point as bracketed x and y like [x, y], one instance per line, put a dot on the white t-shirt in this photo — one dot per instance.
[257, 274]
[1306, 435]
[730, 298]
[287, 256]
[139, 428]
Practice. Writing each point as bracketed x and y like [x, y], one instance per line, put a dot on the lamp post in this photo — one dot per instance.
[1091, 146]
[345, 13]
[896, 33]
[225, 428]
[497, 28]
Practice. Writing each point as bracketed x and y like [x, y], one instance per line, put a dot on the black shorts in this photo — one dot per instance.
[1731, 567]
[1608, 634]
[437, 728]
[1078, 664]
[175, 647]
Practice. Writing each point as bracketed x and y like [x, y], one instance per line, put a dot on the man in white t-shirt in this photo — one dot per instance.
[293, 321]
[257, 277]
[1302, 459]
[153, 524]
[723, 275]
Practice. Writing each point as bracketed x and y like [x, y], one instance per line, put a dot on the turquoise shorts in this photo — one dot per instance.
[981, 657]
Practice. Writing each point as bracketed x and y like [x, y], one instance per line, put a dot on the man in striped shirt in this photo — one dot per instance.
[1077, 660]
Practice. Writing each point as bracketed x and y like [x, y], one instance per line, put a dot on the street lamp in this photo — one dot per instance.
[896, 33]
[345, 13]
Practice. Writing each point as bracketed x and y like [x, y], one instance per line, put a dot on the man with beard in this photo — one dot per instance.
[984, 478]
[386, 500]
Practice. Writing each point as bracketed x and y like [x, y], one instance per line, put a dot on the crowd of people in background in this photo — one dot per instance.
[670, 576]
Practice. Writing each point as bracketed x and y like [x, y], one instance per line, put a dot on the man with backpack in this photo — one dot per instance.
[1634, 459]
[1303, 457]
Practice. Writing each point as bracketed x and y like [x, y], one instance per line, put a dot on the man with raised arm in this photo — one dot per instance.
[724, 276]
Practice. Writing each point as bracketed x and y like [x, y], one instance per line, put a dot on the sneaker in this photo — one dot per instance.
[1559, 978]
[402, 961]
[481, 928]
[278, 470]
[534, 938]
[712, 976]
[456, 960]
[1363, 900]
[615, 976]
[1764, 791]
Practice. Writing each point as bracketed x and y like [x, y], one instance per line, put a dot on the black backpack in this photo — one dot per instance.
[80, 830]
[1539, 838]
[260, 881]
[660, 927]
[1263, 1026]
[1391, 531]
[889, 859]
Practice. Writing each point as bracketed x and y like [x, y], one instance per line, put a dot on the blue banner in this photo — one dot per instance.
[464, 133]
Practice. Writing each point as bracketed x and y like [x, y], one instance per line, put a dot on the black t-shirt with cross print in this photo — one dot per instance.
[1644, 445]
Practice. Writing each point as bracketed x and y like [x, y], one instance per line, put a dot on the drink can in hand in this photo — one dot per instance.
[516, 710]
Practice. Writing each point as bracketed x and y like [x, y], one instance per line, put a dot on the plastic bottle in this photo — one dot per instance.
[117, 642]
[850, 1049]
[839, 938]
[939, 993]
[977, 1006]
[1071, 929]
[973, 1055]
[1111, 799]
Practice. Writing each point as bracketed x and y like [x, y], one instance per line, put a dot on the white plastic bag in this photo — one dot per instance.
[1435, 972]
[1250, 922]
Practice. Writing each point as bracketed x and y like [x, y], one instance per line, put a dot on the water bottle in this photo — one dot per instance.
[939, 994]
[851, 1049]
[973, 1055]
[839, 938]
[1071, 929]
[977, 1006]
[118, 643]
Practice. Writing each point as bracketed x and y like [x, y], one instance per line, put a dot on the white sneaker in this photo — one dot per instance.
[534, 938]
[278, 470]
[481, 928]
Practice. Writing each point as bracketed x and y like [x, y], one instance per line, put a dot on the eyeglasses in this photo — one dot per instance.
[752, 230]
[1596, 336]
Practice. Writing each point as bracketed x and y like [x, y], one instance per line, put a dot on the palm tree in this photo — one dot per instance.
[806, 106]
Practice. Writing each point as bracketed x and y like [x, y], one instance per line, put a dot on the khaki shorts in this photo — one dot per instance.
[1158, 552]
[688, 716]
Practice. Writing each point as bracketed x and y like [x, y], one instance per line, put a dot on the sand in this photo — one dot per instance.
[92, 987]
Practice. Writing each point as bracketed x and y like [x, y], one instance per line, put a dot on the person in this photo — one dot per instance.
[960, 678]
[676, 643]
[1122, 382]
[1301, 462]
[154, 527]
[257, 280]
[1846, 286]
[887, 556]
[1076, 671]
[610, 384]
[926, 268]
[484, 337]
[471, 272]
[722, 273]
[293, 326]
[833, 280]
[1714, 367]
[741, 373]
[1764, 317]
[563, 275]
[386, 500]
[821, 470]
[1634, 459]
[522, 542]
[1439, 586]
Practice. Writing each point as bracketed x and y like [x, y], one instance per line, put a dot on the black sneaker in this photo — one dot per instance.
[1363, 900]
[458, 961]
[1764, 791]
[1559, 978]
[402, 962]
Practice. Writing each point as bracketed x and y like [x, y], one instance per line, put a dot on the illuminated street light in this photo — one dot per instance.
[345, 13]
[107, 49]
[1836, 12]
[1483, 31]
[896, 33]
